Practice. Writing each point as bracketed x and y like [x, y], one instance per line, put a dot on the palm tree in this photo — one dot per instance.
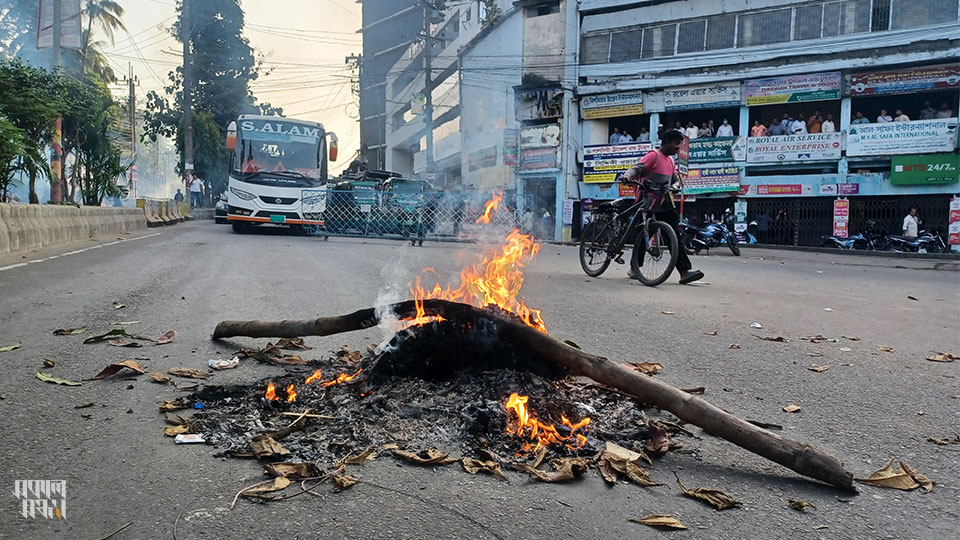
[108, 15]
[93, 61]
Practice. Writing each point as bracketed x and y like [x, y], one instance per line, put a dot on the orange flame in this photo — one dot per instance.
[315, 377]
[271, 393]
[492, 206]
[291, 393]
[544, 434]
[496, 280]
[343, 378]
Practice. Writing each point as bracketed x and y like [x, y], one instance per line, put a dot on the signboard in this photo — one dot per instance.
[916, 137]
[535, 159]
[793, 88]
[510, 151]
[611, 105]
[567, 212]
[828, 189]
[925, 169]
[538, 136]
[481, 159]
[627, 190]
[780, 189]
[906, 81]
[841, 217]
[539, 103]
[712, 180]
[71, 30]
[586, 211]
[954, 227]
[848, 189]
[683, 157]
[740, 211]
[603, 162]
[702, 96]
[718, 150]
[779, 148]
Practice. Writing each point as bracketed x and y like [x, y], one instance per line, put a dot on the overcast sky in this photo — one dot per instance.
[304, 42]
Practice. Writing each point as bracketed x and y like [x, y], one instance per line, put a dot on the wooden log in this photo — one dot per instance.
[799, 457]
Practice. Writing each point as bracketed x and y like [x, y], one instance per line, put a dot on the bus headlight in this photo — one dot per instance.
[243, 195]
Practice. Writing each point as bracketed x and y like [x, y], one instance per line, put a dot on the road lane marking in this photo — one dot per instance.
[74, 252]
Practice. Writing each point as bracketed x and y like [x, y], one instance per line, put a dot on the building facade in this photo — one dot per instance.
[869, 89]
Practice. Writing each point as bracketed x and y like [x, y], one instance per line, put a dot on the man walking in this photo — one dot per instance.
[657, 172]
[911, 224]
[196, 191]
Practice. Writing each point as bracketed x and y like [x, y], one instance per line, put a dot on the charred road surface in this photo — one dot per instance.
[870, 405]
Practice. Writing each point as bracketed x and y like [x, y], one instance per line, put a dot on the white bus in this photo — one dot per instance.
[278, 171]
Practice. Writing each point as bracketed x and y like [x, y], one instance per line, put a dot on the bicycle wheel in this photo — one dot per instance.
[655, 256]
[594, 239]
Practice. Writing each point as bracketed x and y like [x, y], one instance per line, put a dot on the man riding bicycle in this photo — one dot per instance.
[656, 175]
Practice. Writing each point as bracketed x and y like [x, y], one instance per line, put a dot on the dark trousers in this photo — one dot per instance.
[670, 218]
[196, 199]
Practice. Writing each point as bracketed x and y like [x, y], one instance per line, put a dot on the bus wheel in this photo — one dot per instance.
[239, 227]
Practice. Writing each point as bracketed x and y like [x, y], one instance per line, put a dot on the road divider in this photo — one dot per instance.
[32, 226]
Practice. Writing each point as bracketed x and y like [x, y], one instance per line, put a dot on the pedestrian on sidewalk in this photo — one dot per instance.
[179, 196]
[196, 191]
[911, 224]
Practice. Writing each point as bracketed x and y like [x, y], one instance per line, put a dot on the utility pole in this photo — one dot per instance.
[428, 86]
[186, 35]
[56, 168]
[132, 109]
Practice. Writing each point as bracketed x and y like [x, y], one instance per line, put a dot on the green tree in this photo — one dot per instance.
[109, 17]
[11, 152]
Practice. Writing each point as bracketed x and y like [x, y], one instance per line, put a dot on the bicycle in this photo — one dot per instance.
[655, 246]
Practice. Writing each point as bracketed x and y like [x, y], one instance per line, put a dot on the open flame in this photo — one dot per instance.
[496, 279]
[317, 375]
[271, 393]
[544, 434]
[291, 393]
[343, 378]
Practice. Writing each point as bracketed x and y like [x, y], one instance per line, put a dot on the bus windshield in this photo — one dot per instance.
[278, 148]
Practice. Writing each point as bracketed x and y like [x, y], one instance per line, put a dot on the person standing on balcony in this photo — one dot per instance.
[787, 123]
[928, 112]
[725, 129]
[798, 127]
[828, 125]
[815, 122]
[705, 130]
[626, 137]
[776, 128]
[758, 129]
[901, 117]
[884, 117]
[860, 119]
[945, 111]
[644, 135]
[615, 136]
[692, 132]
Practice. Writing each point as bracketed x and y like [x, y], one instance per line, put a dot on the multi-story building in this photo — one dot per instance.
[389, 27]
[872, 87]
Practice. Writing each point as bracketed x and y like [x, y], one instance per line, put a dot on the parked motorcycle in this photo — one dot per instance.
[695, 239]
[927, 242]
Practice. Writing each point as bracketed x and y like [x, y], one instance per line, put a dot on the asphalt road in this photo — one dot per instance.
[868, 407]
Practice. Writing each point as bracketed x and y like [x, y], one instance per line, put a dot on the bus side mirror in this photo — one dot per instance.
[333, 146]
[232, 136]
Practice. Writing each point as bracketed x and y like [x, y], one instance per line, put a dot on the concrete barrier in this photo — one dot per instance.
[149, 207]
[24, 227]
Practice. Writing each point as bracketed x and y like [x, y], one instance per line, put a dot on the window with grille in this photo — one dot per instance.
[764, 28]
[720, 31]
[880, 18]
[831, 19]
[808, 22]
[595, 49]
[625, 46]
[855, 16]
[659, 41]
[691, 36]
[914, 13]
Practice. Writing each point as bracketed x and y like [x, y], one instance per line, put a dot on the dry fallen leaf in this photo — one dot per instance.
[816, 354]
[851, 338]
[660, 520]
[115, 367]
[667, 312]
[46, 377]
[117, 305]
[697, 390]
[845, 349]
[294, 471]
[779, 339]
[288, 361]
[345, 353]
[659, 441]
[173, 405]
[188, 373]
[818, 368]
[360, 458]
[292, 343]
[10, 347]
[881, 348]
[278, 483]
[713, 497]
[166, 338]
[123, 343]
[607, 471]
[430, 456]
[48, 362]
[647, 368]
[173, 431]
[82, 405]
[344, 481]
[473, 466]
[892, 476]
[69, 331]
[734, 346]
[625, 454]
[945, 442]
[105, 337]
[791, 408]
[711, 333]
[816, 339]
[563, 469]
[800, 506]
[159, 378]
[942, 357]
[912, 298]
[267, 446]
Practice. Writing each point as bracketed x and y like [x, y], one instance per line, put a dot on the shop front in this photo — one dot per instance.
[539, 178]
[608, 117]
[714, 108]
[812, 99]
